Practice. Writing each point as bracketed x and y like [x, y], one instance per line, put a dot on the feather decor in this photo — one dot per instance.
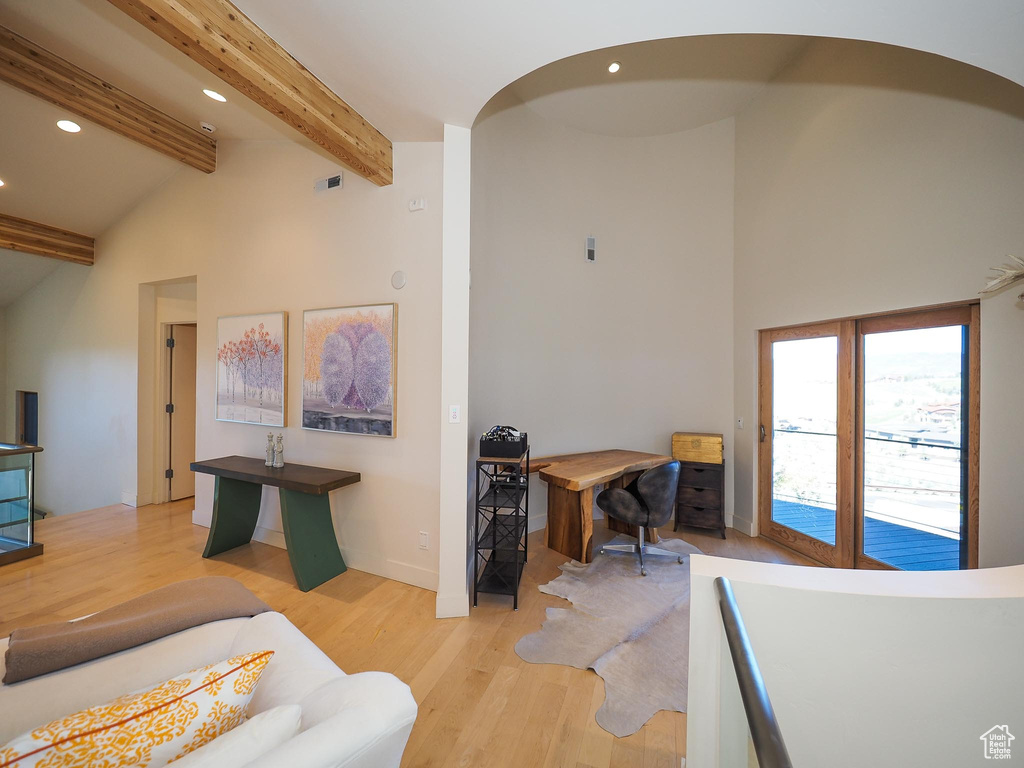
[1006, 274]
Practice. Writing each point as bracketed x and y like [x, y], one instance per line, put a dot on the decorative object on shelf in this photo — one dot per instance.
[700, 498]
[279, 452]
[270, 449]
[1006, 275]
[643, 624]
[350, 369]
[252, 368]
[502, 512]
[502, 442]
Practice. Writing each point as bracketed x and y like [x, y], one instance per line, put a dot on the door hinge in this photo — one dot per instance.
[168, 473]
[169, 408]
[170, 343]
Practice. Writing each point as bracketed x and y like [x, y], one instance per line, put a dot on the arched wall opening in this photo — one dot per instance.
[858, 178]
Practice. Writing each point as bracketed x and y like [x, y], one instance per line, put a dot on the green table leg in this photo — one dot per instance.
[236, 507]
[309, 534]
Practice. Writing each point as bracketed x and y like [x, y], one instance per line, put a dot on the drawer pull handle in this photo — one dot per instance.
[699, 509]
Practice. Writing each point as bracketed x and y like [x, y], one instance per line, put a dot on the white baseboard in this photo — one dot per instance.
[742, 525]
[452, 606]
[129, 499]
[367, 562]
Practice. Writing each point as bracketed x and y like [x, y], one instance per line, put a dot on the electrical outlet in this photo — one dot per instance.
[424, 540]
[739, 423]
[454, 414]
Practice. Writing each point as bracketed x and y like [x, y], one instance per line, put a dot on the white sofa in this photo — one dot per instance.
[365, 725]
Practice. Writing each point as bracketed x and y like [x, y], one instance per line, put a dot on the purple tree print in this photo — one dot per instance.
[336, 368]
[372, 370]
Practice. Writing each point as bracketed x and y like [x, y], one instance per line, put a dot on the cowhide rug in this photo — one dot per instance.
[633, 630]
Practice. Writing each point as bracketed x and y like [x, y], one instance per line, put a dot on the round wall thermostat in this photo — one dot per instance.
[398, 280]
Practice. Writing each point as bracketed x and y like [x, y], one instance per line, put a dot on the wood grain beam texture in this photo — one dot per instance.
[42, 240]
[215, 34]
[35, 70]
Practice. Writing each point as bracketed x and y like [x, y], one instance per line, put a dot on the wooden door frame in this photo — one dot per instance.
[850, 426]
[840, 555]
[967, 314]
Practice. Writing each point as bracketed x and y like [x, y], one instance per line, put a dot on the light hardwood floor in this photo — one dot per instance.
[480, 704]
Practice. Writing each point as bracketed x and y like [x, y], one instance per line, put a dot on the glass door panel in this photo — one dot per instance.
[804, 439]
[913, 487]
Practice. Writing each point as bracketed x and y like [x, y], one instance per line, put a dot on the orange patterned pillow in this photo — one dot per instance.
[149, 728]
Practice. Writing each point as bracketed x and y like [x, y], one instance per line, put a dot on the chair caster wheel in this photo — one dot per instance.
[643, 571]
[680, 560]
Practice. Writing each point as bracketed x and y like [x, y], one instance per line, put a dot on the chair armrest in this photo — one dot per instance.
[357, 721]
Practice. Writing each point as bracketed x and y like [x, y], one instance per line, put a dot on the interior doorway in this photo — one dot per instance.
[26, 417]
[181, 410]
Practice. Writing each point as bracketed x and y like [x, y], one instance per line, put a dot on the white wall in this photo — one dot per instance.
[870, 179]
[622, 352]
[862, 667]
[4, 437]
[257, 239]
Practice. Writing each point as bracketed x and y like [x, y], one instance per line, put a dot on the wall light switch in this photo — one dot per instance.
[454, 414]
[419, 204]
[424, 540]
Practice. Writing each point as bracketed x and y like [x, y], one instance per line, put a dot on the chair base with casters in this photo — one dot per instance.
[646, 503]
[641, 549]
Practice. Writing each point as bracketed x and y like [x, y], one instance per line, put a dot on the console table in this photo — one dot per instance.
[571, 479]
[305, 512]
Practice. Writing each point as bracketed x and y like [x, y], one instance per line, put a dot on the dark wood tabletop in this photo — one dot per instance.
[293, 477]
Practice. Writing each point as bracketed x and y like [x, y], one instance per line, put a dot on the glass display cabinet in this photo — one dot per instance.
[17, 518]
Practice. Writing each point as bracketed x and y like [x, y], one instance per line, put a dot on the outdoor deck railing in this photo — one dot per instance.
[764, 727]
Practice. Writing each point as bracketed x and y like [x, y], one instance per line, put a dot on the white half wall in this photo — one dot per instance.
[870, 179]
[258, 239]
[622, 352]
[862, 667]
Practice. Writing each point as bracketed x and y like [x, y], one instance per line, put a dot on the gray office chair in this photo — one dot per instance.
[646, 503]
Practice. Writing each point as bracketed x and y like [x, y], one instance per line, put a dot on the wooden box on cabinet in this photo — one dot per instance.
[700, 498]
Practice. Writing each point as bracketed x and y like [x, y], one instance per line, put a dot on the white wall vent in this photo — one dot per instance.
[330, 182]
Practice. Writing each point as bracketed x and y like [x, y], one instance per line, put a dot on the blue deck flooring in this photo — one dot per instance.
[906, 548]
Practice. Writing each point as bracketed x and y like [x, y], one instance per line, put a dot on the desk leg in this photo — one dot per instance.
[571, 522]
[236, 507]
[309, 534]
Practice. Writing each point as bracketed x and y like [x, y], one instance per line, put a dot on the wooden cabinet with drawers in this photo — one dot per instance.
[700, 498]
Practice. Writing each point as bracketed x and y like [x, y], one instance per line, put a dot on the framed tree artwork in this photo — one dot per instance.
[349, 379]
[252, 368]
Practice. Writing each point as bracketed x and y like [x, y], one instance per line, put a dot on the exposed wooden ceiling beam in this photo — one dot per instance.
[30, 237]
[221, 38]
[25, 65]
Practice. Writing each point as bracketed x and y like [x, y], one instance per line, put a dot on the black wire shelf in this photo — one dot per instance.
[503, 532]
[501, 573]
[502, 504]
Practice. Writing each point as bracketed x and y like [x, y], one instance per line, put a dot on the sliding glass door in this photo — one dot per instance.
[868, 454]
[805, 440]
[913, 431]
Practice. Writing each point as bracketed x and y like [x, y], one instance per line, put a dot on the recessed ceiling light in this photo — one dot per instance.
[614, 67]
[69, 126]
[213, 95]
[1, 182]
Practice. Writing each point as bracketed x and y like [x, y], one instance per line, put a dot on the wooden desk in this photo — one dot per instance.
[305, 512]
[571, 479]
